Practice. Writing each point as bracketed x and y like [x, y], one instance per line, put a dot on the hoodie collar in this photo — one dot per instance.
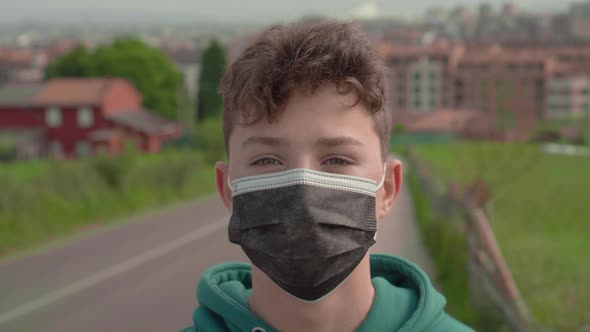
[404, 297]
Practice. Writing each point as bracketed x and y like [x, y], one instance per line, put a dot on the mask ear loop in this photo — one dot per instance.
[379, 187]
[229, 184]
[383, 178]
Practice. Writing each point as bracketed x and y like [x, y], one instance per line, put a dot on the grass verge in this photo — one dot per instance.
[540, 218]
[44, 200]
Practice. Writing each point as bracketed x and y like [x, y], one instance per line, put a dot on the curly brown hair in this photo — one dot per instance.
[305, 56]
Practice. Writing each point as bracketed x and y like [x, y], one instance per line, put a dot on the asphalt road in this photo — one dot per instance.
[142, 275]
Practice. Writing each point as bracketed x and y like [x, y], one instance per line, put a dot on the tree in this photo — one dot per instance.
[213, 63]
[147, 68]
[77, 63]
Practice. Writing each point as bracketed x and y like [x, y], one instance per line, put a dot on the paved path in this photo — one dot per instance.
[398, 234]
[142, 275]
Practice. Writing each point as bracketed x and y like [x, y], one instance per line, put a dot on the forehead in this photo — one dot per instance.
[307, 116]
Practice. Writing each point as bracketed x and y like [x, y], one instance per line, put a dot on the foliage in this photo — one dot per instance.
[147, 68]
[77, 63]
[42, 200]
[399, 128]
[213, 63]
[6, 148]
[447, 243]
[546, 135]
[209, 138]
[540, 222]
[112, 169]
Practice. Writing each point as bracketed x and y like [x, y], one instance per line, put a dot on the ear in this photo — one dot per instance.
[223, 189]
[391, 187]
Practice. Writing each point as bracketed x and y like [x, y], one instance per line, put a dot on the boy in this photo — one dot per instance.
[308, 181]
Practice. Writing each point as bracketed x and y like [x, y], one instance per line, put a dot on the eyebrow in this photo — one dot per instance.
[324, 141]
[338, 141]
[264, 140]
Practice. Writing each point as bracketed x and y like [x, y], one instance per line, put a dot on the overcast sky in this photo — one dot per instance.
[227, 10]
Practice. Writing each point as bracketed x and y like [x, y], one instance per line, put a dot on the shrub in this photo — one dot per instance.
[209, 138]
[68, 194]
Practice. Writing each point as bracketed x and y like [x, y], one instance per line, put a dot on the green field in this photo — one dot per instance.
[42, 201]
[541, 218]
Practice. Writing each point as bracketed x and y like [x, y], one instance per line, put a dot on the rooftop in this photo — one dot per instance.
[144, 121]
[13, 55]
[441, 120]
[18, 94]
[74, 91]
[389, 50]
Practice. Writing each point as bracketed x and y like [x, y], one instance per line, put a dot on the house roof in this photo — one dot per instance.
[143, 121]
[18, 94]
[15, 56]
[411, 51]
[443, 121]
[74, 91]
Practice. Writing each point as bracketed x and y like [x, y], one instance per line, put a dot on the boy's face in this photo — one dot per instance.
[317, 131]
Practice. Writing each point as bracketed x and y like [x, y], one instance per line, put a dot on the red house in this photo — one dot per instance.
[79, 116]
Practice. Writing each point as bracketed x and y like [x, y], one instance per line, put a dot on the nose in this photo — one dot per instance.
[303, 159]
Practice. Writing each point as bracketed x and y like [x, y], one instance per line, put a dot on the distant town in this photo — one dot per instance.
[488, 72]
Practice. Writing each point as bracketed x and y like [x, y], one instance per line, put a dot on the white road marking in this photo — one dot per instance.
[111, 272]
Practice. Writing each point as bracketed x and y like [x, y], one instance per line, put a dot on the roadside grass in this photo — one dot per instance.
[540, 216]
[448, 248]
[44, 200]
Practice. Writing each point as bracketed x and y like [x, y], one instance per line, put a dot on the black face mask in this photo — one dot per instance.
[307, 230]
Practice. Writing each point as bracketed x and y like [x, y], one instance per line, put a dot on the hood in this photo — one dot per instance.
[404, 300]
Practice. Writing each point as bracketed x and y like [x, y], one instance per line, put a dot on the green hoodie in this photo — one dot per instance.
[404, 300]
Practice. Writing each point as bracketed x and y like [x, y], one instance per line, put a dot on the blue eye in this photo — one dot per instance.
[266, 162]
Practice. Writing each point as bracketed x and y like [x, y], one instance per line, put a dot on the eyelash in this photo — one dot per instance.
[341, 162]
[260, 162]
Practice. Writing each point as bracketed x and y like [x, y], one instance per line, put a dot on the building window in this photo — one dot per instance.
[85, 117]
[55, 149]
[418, 104]
[53, 117]
[83, 149]
[401, 102]
[417, 76]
